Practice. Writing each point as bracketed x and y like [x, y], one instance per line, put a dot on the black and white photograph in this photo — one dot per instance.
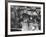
[24, 18]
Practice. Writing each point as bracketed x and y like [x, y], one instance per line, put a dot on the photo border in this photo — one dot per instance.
[6, 18]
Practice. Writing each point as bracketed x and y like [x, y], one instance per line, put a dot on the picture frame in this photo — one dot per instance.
[32, 10]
